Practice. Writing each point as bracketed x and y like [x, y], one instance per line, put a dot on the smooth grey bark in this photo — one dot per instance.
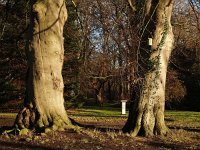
[146, 114]
[44, 102]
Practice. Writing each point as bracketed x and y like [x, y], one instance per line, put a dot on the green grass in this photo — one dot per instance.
[185, 119]
[99, 112]
[9, 115]
[179, 119]
[184, 114]
[109, 111]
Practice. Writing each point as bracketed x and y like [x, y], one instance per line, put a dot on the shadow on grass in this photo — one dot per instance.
[169, 120]
[102, 129]
[165, 145]
[115, 129]
[185, 128]
[10, 145]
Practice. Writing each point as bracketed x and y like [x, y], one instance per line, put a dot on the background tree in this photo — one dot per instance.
[13, 23]
[72, 59]
[187, 47]
[108, 41]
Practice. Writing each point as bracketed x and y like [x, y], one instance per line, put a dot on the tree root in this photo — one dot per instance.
[13, 130]
[29, 119]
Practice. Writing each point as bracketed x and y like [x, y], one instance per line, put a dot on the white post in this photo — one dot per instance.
[150, 41]
[123, 106]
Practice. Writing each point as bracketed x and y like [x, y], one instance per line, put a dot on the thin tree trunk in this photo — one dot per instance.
[44, 102]
[100, 92]
[146, 114]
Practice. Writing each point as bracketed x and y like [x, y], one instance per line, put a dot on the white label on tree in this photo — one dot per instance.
[150, 41]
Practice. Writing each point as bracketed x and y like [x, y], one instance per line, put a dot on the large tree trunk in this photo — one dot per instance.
[44, 102]
[146, 114]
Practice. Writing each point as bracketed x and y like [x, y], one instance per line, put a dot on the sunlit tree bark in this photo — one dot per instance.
[44, 102]
[146, 114]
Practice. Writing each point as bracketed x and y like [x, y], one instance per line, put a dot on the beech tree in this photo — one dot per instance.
[44, 102]
[146, 114]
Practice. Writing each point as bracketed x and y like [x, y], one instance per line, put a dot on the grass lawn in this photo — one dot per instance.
[181, 118]
[188, 118]
[97, 112]
[105, 132]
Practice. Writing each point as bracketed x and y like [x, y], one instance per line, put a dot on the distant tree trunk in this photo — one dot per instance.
[99, 91]
[44, 102]
[198, 58]
[109, 91]
[146, 114]
[100, 97]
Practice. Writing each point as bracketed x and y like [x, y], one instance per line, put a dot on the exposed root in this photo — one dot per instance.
[27, 119]
[145, 131]
[12, 130]
[145, 126]
[59, 125]
[24, 131]
[162, 130]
